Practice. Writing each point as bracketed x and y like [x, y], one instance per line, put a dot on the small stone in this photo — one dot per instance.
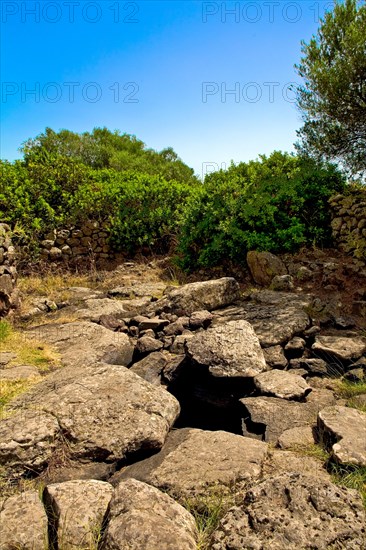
[282, 283]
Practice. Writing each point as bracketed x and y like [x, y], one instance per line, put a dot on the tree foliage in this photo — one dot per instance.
[105, 149]
[333, 97]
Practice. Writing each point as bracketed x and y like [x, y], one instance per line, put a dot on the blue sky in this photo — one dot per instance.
[162, 70]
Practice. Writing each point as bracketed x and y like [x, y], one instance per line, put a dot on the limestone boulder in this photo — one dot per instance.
[23, 522]
[193, 462]
[28, 439]
[281, 384]
[294, 511]
[275, 316]
[82, 342]
[264, 266]
[77, 509]
[343, 430]
[206, 295]
[103, 411]
[268, 417]
[341, 347]
[228, 350]
[143, 518]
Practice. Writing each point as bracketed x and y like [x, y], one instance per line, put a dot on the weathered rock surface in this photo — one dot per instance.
[93, 308]
[344, 431]
[194, 461]
[159, 367]
[143, 518]
[296, 438]
[23, 522]
[228, 350]
[344, 348]
[288, 461]
[264, 266]
[268, 417]
[275, 358]
[282, 283]
[276, 316]
[82, 342]
[28, 438]
[20, 372]
[139, 291]
[104, 411]
[294, 511]
[204, 295]
[77, 509]
[281, 384]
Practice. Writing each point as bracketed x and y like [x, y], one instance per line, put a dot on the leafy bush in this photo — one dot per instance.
[277, 203]
[143, 210]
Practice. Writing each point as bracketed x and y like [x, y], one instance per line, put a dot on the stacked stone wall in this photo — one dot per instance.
[8, 271]
[89, 241]
[349, 222]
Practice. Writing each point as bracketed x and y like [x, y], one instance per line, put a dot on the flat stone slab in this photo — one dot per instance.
[21, 372]
[228, 350]
[207, 295]
[23, 522]
[296, 438]
[104, 412]
[77, 509]
[288, 461]
[82, 342]
[293, 512]
[93, 308]
[194, 461]
[268, 417]
[344, 431]
[344, 348]
[281, 384]
[276, 316]
[143, 518]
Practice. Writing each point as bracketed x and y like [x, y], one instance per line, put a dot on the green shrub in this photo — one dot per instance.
[277, 204]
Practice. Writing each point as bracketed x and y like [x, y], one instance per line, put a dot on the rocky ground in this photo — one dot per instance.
[209, 415]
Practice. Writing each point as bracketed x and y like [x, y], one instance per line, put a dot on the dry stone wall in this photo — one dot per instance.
[8, 272]
[349, 222]
[77, 243]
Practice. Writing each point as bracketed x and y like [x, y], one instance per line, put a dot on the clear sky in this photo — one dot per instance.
[210, 79]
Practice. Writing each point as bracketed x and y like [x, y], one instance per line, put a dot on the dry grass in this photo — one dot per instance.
[27, 352]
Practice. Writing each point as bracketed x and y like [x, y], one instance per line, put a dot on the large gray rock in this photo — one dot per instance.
[228, 350]
[23, 522]
[77, 509]
[264, 266]
[341, 347]
[82, 342]
[276, 316]
[93, 308]
[204, 295]
[143, 518]
[103, 411]
[297, 438]
[281, 384]
[28, 439]
[344, 431]
[292, 512]
[193, 462]
[268, 417]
